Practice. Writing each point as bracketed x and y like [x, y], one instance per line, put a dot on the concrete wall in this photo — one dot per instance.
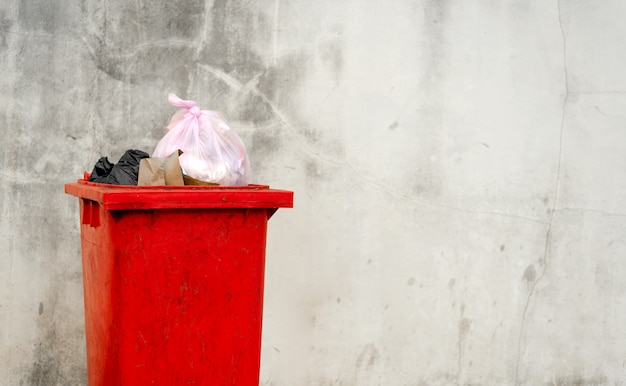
[459, 169]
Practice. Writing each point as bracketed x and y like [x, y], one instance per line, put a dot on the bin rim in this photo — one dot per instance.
[125, 197]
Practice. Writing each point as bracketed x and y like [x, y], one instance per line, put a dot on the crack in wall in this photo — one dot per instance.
[275, 31]
[606, 92]
[591, 210]
[555, 194]
[137, 49]
[464, 326]
[206, 28]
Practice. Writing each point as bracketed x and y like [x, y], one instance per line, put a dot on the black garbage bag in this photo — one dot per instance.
[124, 172]
[101, 169]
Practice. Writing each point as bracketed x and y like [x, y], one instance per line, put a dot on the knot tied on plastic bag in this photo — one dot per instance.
[212, 152]
[195, 111]
[191, 106]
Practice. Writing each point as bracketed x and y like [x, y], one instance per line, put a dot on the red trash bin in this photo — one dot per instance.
[173, 282]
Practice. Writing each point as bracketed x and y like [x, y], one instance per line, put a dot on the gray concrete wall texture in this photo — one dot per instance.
[459, 169]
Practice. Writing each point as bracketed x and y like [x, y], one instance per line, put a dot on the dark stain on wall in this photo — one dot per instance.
[45, 369]
[265, 142]
[368, 357]
[256, 109]
[281, 82]
[313, 170]
[113, 67]
[51, 363]
[597, 380]
[134, 42]
[435, 17]
[317, 173]
[530, 274]
[5, 26]
[170, 63]
[39, 14]
[331, 53]
[229, 46]
[168, 19]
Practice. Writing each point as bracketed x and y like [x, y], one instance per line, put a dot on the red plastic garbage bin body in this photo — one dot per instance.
[173, 282]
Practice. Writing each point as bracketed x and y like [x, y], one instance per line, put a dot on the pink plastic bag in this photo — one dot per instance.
[212, 151]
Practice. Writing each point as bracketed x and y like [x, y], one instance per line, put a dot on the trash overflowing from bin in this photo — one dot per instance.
[173, 275]
[124, 172]
[199, 148]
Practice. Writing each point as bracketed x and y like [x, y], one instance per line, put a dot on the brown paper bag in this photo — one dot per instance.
[157, 171]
